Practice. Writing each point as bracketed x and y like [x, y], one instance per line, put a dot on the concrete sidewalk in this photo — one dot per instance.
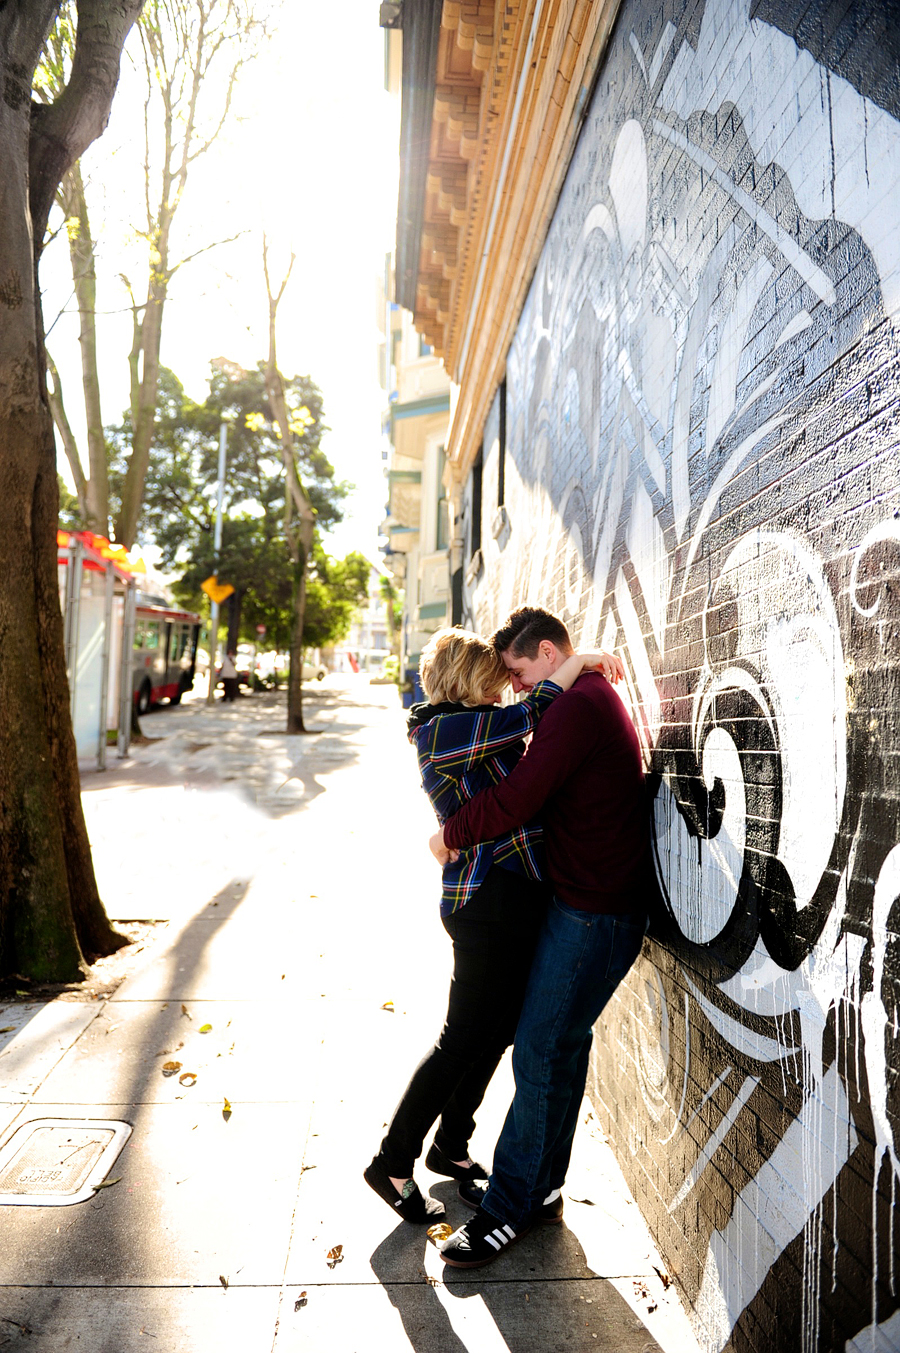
[301, 924]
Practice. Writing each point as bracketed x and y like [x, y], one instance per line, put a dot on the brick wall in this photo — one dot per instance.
[702, 471]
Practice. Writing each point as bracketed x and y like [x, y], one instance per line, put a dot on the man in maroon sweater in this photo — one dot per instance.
[583, 776]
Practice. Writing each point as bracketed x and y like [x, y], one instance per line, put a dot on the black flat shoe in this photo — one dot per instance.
[438, 1163]
[414, 1207]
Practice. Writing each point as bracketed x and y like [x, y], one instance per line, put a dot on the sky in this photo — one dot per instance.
[311, 158]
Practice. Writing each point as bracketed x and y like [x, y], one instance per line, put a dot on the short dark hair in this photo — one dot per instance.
[525, 630]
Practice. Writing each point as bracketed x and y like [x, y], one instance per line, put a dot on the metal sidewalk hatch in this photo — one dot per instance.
[51, 1162]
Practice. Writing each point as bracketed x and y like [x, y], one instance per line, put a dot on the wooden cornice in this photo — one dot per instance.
[511, 84]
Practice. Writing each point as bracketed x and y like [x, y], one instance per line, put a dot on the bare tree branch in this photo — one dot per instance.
[67, 437]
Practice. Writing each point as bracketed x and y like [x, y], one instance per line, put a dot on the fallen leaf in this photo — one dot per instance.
[388, 1005]
[205, 1029]
[224, 1281]
[185, 1011]
[226, 1109]
[170, 1068]
[432, 1282]
[108, 1183]
[7, 1029]
[335, 1256]
[588, 1201]
[189, 1078]
[300, 1302]
[664, 1277]
[440, 1231]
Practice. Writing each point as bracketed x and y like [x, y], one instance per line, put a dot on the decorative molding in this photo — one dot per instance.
[510, 88]
[475, 568]
[500, 521]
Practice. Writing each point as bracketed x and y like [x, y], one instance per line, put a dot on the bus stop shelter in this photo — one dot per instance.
[98, 595]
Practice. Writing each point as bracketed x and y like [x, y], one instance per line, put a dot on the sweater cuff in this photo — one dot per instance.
[450, 839]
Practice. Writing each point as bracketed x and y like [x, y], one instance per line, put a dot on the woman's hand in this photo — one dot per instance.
[443, 854]
[608, 663]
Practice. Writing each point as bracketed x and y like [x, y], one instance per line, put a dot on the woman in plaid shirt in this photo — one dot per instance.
[492, 905]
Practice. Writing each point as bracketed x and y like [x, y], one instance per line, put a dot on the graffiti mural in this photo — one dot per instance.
[703, 404]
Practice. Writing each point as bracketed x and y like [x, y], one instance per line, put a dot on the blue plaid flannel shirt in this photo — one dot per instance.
[461, 754]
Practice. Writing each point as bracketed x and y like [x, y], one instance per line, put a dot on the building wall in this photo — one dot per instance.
[702, 471]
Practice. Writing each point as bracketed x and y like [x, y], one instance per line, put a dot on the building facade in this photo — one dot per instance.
[656, 247]
[416, 527]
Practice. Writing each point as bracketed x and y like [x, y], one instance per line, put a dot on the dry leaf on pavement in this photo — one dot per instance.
[335, 1256]
[170, 1068]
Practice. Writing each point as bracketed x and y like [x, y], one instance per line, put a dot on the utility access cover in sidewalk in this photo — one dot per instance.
[56, 1161]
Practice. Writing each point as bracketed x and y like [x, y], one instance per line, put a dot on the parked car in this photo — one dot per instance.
[314, 671]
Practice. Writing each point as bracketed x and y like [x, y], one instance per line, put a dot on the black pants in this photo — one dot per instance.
[494, 937]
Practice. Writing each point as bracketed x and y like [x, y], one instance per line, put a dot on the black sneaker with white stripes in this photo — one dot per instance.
[479, 1242]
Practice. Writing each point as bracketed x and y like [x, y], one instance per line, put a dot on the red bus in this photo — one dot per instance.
[165, 652]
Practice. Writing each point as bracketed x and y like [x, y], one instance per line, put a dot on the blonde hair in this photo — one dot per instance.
[460, 666]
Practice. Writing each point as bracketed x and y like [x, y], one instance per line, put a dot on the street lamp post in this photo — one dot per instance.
[217, 545]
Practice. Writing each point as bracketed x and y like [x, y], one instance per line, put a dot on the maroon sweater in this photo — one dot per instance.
[582, 776]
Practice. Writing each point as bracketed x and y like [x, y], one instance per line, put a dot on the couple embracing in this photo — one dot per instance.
[546, 873]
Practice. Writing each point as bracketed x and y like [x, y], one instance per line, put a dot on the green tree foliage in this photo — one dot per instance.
[180, 504]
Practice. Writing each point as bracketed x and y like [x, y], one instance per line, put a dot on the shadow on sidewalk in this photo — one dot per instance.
[543, 1295]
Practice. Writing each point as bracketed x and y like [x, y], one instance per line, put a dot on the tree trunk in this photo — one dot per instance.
[51, 918]
[299, 534]
[235, 604]
[295, 722]
[144, 424]
[84, 277]
[67, 436]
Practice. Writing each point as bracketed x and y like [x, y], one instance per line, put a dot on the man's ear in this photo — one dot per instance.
[547, 649]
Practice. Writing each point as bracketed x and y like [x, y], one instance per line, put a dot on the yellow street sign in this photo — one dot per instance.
[215, 590]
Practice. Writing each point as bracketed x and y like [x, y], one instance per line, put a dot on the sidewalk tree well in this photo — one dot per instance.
[51, 916]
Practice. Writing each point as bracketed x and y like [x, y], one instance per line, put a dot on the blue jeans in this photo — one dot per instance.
[580, 960]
